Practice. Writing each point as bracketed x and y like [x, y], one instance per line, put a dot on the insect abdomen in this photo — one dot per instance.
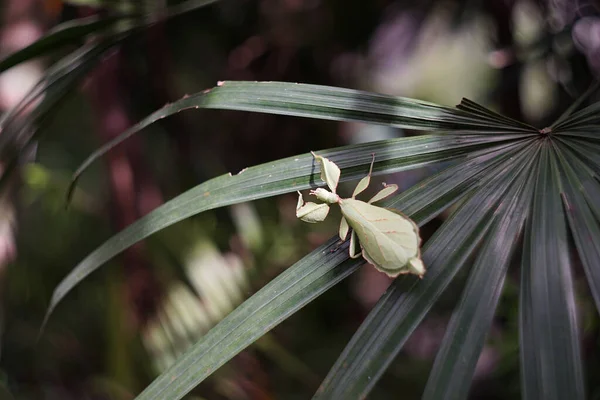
[388, 239]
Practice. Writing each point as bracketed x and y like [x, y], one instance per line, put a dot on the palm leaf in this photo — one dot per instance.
[455, 362]
[323, 102]
[510, 180]
[22, 123]
[190, 373]
[286, 294]
[287, 175]
[293, 174]
[67, 33]
[580, 194]
[400, 311]
[550, 349]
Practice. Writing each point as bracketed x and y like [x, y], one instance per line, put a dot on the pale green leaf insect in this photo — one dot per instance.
[388, 239]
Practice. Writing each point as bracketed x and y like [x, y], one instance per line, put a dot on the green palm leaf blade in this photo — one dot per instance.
[588, 116]
[327, 102]
[591, 188]
[465, 177]
[405, 304]
[589, 133]
[265, 309]
[323, 102]
[531, 384]
[279, 299]
[550, 354]
[283, 176]
[66, 33]
[582, 126]
[576, 184]
[487, 114]
[589, 153]
[458, 355]
[49, 89]
[585, 117]
[567, 115]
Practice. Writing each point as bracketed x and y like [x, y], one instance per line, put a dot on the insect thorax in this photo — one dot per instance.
[325, 196]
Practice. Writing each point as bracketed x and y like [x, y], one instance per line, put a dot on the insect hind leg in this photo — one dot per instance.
[353, 244]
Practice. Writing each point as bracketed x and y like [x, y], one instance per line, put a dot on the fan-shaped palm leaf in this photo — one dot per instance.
[516, 187]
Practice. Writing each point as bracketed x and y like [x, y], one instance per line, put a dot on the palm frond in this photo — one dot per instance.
[580, 197]
[284, 176]
[515, 187]
[67, 33]
[326, 102]
[22, 123]
[550, 353]
[401, 309]
[466, 333]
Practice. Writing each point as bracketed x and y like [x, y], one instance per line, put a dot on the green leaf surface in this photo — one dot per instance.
[531, 384]
[405, 304]
[590, 133]
[50, 86]
[576, 185]
[489, 115]
[586, 117]
[323, 102]
[462, 178]
[23, 123]
[465, 335]
[191, 370]
[275, 178]
[491, 182]
[66, 33]
[282, 297]
[566, 116]
[550, 353]
[586, 151]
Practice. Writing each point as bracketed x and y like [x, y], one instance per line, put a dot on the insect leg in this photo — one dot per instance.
[344, 229]
[364, 182]
[387, 191]
[353, 245]
[337, 246]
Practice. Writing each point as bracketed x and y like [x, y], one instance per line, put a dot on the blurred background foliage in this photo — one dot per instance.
[128, 322]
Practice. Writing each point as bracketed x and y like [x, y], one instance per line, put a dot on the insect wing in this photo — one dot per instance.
[390, 241]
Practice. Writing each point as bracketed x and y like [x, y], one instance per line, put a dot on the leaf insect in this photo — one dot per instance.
[388, 239]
